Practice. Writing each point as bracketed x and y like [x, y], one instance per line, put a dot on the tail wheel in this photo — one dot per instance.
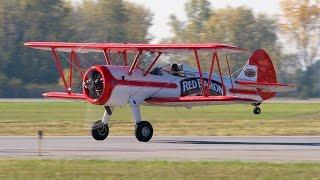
[256, 110]
[99, 131]
[143, 131]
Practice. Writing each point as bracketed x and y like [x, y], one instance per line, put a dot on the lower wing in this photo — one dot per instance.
[198, 100]
[63, 95]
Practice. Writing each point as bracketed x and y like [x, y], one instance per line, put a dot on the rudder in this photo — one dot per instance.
[259, 68]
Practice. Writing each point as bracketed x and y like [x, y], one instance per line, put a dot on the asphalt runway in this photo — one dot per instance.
[267, 148]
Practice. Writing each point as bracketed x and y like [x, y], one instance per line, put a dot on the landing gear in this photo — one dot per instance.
[256, 110]
[99, 131]
[143, 131]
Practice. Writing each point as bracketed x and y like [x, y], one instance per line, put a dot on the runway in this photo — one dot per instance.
[267, 148]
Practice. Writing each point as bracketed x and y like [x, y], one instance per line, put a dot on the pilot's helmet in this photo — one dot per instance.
[174, 67]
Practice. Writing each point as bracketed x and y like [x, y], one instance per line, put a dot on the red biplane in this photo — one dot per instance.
[138, 81]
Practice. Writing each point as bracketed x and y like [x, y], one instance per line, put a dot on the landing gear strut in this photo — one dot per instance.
[143, 130]
[100, 129]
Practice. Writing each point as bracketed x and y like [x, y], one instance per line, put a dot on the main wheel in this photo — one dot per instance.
[143, 131]
[256, 110]
[99, 130]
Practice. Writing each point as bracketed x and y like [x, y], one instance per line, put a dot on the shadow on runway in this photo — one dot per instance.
[237, 143]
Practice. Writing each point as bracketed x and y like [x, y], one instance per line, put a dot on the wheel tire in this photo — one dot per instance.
[99, 131]
[143, 131]
[256, 110]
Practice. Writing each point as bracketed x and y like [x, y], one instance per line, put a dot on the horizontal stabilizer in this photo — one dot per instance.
[63, 95]
[268, 87]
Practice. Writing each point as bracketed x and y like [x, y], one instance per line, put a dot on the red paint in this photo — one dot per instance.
[71, 71]
[108, 85]
[124, 53]
[200, 73]
[220, 74]
[59, 68]
[62, 95]
[110, 82]
[77, 63]
[146, 84]
[266, 72]
[211, 71]
[261, 83]
[106, 57]
[135, 62]
[187, 99]
[243, 91]
[115, 47]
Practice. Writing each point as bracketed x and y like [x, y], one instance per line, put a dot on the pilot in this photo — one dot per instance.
[175, 70]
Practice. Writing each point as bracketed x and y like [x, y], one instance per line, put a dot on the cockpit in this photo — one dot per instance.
[179, 70]
[168, 66]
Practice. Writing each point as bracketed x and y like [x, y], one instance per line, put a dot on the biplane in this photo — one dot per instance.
[114, 85]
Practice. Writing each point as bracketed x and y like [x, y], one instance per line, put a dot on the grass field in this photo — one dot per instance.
[75, 118]
[98, 169]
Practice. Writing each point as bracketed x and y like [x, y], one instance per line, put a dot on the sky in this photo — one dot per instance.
[163, 8]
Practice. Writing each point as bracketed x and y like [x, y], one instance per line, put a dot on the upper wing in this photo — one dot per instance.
[269, 87]
[128, 47]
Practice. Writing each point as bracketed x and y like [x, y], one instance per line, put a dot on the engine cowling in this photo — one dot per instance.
[97, 85]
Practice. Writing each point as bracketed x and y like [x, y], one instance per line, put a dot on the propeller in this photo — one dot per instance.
[94, 84]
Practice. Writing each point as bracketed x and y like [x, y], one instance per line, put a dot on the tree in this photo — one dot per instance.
[21, 21]
[25, 72]
[308, 83]
[25, 20]
[111, 21]
[198, 12]
[236, 26]
[301, 24]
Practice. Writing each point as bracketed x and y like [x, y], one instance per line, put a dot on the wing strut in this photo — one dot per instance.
[124, 53]
[73, 61]
[153, 62]
[200, 72]
[229, 71]
[77, 63]
[106, 56]
[135, 62]
[215, 58]
[59, 67]
[71, 71]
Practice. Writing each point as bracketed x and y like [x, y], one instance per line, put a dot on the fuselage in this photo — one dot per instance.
[166, 85]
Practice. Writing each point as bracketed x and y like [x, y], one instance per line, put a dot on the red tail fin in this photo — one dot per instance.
[266, 72]
[259, 69]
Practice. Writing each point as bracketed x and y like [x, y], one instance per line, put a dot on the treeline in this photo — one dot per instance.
[26, 73]
[292, 38]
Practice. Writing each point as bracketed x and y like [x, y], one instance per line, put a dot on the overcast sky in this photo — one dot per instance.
[163, 8]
